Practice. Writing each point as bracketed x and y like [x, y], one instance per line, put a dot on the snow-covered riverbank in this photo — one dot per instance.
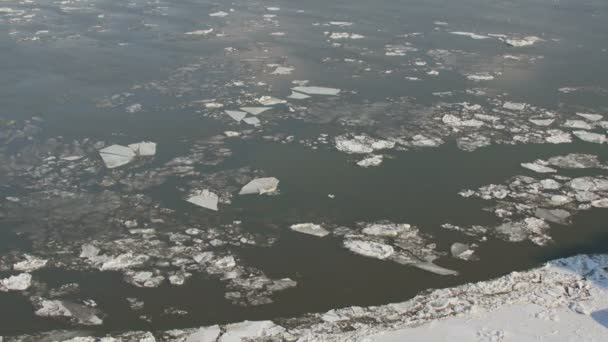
[564, 300]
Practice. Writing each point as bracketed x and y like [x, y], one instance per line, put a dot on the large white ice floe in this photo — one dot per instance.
[205, 199]
[19, 282]
[237, 115]
[260, 186]
[310, 229]
[116, 156]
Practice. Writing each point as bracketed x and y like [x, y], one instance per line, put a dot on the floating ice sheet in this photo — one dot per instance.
[260, 186]
[205, 199]
[317, 90]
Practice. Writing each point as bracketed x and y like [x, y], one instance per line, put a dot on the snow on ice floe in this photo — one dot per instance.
[373, 160]
[219, 14]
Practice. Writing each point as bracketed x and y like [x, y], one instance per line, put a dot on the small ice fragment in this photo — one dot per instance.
[220, 14]
[461, 251]
[144, 148]
[134, 108]
[542, 122]
[470, 35]
[538, 168]
[236, 115]
[205, 199]
[260, 186]
[252, 121]
[282, 71]
[310, 229]
[514, 106]
[317, 90]
[521, 42]
[369, 249]
[373, 160]
[199, 32]
[213, 105]
[270, 101]
[255, 110]
[340, 23]
[480, 77]
[298, 96]
[116, 155]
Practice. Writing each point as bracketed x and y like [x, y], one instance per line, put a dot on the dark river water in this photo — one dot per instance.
[121, 72]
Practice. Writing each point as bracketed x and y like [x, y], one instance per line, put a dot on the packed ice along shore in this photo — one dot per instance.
[565, 299]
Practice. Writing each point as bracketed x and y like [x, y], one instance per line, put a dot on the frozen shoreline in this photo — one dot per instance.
[565, 299]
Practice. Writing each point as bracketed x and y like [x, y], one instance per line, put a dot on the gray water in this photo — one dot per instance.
[78, 67]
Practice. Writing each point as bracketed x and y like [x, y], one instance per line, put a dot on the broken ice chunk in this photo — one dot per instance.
[252, 121]
[30, 264]
[205, 199]
[74, 312]
[575, 161]
[470, 35]
[281, 70]
[199, 32]
[317, 91]
[542, 122]
[236, 115]
[462, 251]
[260, 186]
[361, 144]
[578, 124]
[310, 229]
[521, 42]
[590, 137]
[144, 148]
[270, 101]
[219, 14]
[591, 117]
[19, 282]
[531, 228]
[369, 249]
[514, 106]
[373, 160]
[116, 155]
[538, 168]
[298, 96]
[255, 110]
[559, 216]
